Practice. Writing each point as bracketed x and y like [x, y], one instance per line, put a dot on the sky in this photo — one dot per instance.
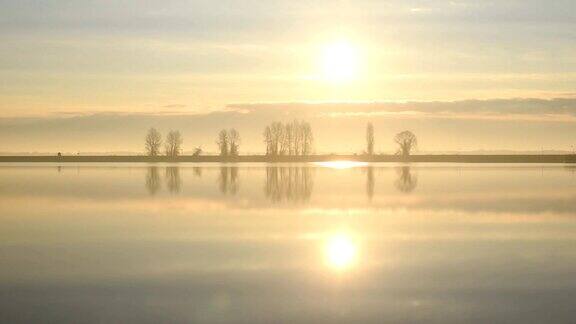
[463, 74]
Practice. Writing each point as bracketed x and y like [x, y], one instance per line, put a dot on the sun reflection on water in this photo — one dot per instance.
[341, 164]
[341, 251]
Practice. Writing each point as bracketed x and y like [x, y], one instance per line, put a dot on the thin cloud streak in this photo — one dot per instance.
[528, 109]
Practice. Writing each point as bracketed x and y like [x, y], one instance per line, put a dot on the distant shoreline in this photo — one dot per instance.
[446, 158]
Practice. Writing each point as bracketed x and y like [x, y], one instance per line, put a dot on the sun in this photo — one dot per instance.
[340, 62]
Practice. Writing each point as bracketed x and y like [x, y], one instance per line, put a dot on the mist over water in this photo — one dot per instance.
[263, 243]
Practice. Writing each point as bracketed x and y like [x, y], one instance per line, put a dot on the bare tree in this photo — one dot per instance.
[406, 141]
[307, 139]
[234, 141]
[296, 137]
[197, 151]
[268, 140]
[274, 139]
[222, 142]
[289, 134]
[173, 145]
[153, 142]
[285, 139]
[277, 138]
[369, 139]
[293, 138]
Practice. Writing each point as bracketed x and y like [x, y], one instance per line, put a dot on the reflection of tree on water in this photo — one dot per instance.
[197, 172]
[228, 180]
[406, 181]
[292, 184]
[173, 180]
[370, 182]
[153, 180]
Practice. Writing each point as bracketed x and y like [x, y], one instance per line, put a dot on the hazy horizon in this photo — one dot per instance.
[518, 125]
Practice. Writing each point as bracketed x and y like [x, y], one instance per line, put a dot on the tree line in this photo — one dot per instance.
[228, 142]
[293, 138]
[172, 145]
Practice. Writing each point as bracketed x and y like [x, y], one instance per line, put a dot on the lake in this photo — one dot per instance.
[287, 243]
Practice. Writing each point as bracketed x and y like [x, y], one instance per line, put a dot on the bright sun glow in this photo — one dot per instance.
[340, 62]
[340, 251]
[341, 164]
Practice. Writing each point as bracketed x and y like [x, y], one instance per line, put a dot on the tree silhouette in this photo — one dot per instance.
[222, 142]
[369, 139]
[153, 142]
[234, 142]
[277, 138]
[307, 138]
[173, 145]
[268, 141]
[294, 138]
[406, 141]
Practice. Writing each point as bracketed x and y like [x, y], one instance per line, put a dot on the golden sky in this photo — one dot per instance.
[77, 58]
[196, 56]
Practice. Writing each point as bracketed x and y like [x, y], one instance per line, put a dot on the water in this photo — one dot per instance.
[295, 243]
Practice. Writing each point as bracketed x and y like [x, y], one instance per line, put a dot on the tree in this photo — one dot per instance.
[291, 139]
[268, 140]
[153, 142]
[295, 137]
[406, 141]
[234, 141]
[222, 142]
[197, 151]
[173, 145]
[369, 139]
[277, 130]
[274, 138]
[307, 139]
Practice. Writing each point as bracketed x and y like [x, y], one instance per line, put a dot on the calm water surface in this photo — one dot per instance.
[294, 243]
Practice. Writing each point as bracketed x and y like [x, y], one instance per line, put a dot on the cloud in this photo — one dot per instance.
[561, 109]
[174, 106]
